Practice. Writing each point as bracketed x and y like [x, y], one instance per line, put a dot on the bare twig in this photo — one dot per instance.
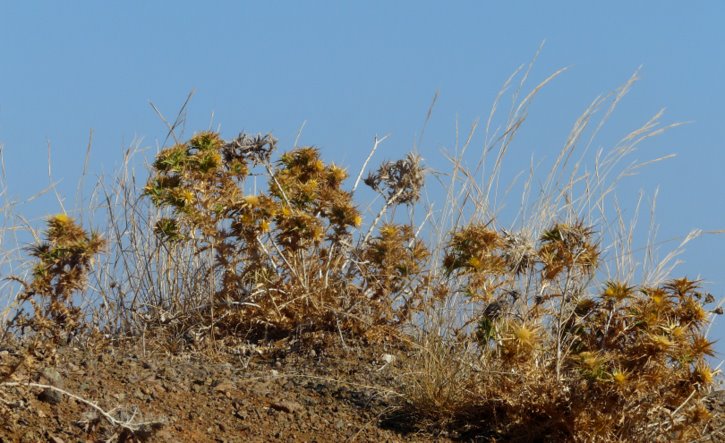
[128, 424]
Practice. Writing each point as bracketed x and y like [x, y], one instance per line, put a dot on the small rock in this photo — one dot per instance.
[261, 390]
[51, 377]
[50, 396]
[225, 387]
[287, 406]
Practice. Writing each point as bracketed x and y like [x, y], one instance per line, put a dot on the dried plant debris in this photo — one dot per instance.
[401, 181]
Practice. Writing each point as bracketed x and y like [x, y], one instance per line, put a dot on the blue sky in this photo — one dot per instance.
[351, 70]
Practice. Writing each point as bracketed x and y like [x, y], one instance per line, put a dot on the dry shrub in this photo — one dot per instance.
[61, 269]
[540, 352]
[282, 259]
[538, 330]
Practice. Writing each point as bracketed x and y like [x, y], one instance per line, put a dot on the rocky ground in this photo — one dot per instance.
[314, 389]
[292, 390]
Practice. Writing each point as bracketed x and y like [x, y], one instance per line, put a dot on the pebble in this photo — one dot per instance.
[51, 377]
[287, 406]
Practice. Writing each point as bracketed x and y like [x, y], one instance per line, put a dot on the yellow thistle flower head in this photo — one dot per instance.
[61, 218]
[357, 220]
[525, 335]
[251, 200]
[620, 377]
[703, 373]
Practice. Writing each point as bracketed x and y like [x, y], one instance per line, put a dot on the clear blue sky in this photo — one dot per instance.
[351, 70]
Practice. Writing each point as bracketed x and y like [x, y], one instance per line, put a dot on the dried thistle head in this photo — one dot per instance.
[568, 247]
[394, 267]
[519, 251]
[400, 182]
[475, 248]
[245, 149]
[311, 191]
[703, 374]
[476, 253]
[615, 291]
[519, 340]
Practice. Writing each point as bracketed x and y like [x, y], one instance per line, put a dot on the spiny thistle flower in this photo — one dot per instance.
[620, 376]
[568, 247]
[592, 364]
[394, 267]
[617, 291]
[682, 287]
[401, 181]
[703, 373]
[479, 255]
[525, 335]
[246, 149]
[701, 346]
[474, 248]
[658, 297]
[515, 341]
[519, 251]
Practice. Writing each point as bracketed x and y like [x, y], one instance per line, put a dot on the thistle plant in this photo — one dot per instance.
[395, 270]
[541, 340]
[63, 262]
[269, 248]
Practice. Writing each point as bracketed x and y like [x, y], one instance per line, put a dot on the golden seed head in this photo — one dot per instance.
[525, 335]
[619, 376]
[474, 262]
[703, 373]
[264, 226]
[251, 200]
[357, 220]
[62, 218]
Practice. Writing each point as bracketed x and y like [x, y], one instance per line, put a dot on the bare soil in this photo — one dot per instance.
[316, 388]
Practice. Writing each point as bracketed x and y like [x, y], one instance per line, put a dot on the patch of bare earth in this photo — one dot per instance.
[307, 389]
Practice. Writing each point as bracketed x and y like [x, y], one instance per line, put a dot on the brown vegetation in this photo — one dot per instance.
[537, 331]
